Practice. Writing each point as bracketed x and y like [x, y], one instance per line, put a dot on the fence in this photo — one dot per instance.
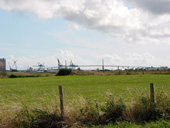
[152, 98]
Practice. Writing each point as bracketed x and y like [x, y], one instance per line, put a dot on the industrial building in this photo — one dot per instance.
[2, 65]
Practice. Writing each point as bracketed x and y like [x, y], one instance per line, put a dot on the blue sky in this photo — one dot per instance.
[25, 34]
[84, 31]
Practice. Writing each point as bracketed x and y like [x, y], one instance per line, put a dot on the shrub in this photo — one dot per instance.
[113, 110]
[89, 114]
[145, 111]
[26, 118]
[37, 118]
[78, 69]
[64, 72]
[13, 76]
[22, 76]
[163, 102]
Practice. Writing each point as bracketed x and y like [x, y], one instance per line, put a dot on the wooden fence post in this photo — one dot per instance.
[152, 93]
[61, 102]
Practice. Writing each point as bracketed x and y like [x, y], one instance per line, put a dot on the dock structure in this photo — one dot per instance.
[2, 65]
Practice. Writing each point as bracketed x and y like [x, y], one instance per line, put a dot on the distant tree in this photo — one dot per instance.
[64, 72]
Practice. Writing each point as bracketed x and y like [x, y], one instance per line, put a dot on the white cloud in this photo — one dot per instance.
[68, 55]
[42, 8]
[153, 6]
[129, 59]
[112, 59]
[73, 26]
[49, 61]
[110, 16]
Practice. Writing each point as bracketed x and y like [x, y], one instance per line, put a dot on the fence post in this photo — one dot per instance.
[152, 93]
[61, 102]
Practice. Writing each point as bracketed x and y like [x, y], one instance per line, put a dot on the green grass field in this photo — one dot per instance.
[43, 90]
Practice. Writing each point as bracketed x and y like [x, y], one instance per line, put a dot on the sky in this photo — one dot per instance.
[122, 32]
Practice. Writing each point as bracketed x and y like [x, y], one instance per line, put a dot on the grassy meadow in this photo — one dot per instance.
[42, 92]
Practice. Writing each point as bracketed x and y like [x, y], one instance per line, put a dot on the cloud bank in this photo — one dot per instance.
[154, 6]
[133, 22]
[127, 59]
